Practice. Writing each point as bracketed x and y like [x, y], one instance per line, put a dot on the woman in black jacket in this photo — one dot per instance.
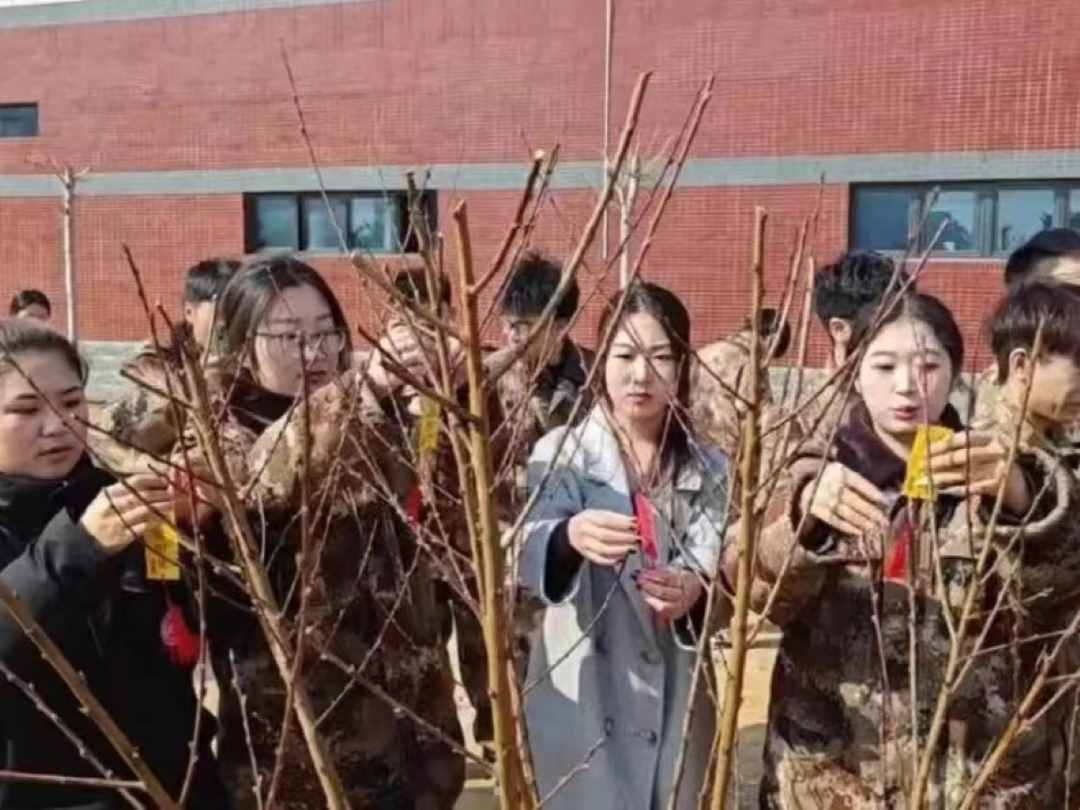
[68, 548]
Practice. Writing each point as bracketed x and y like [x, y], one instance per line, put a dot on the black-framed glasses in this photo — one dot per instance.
[292, 342]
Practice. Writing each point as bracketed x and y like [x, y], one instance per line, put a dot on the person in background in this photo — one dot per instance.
[853, 284]
[1051, 257]
[143, 424]
[31, 304]
[537, 389]
[620, 545]
[1051, 385]
[846, 287]
[202, 288]
[70, 549]
[720, 381]
[543, 386]
[406, 339]
[411, 343]
[540, 387]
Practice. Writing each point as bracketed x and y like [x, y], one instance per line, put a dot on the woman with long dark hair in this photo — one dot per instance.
[361, 582]
[621, 544]
[70, 549]
[872, 569]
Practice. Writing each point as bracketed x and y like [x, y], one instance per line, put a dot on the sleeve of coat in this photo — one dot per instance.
[781, 563]
[703, 540]
[552, 472]
[62, 566]
[139, 425]
[351, 445]
[1048, 538]
[702, 545]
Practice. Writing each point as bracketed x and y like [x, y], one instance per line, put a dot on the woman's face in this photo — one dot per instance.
[42, 431]
[297, 333]
[905, 378]
[641, 371]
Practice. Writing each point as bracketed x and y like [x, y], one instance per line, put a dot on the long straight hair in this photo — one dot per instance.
[249, 295]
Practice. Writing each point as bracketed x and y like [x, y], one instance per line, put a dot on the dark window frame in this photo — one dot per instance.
[33, 107]
[405, 235]
[986, 211]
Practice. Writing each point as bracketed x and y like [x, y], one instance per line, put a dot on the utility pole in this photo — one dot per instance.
[69, 179]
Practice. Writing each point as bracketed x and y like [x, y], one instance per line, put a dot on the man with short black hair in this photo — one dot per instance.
[205, 282]
[1050, 257]
[539, 384]
[844, 288]
[31, 304]
[854, 282]
[142, 424]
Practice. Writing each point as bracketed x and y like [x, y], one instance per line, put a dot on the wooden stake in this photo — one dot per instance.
[749, 471]
[514, 793]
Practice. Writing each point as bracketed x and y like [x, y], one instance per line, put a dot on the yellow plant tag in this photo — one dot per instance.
[162, 553]
[427, 440]
[916, 482]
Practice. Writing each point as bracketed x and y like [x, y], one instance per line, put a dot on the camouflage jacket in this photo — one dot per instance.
[719, 372]
[549, 399]
[369, 602]
[840, 722]
[143, 424]
[988, 405]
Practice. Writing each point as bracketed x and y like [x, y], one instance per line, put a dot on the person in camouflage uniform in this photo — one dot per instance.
[720, 376]
[851, 284]
[363, 584]
[545, 385]
[848, 577]
[1051, 422]
[143, 424]
[532, 394]
[1050, 257]
[433, 504]
[541, 387]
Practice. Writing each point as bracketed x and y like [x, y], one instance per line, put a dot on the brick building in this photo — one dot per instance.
[183, 112]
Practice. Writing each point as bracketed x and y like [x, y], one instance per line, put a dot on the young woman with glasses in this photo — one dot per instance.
[291, 407]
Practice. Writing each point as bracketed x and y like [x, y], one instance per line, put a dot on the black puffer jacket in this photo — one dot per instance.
[106, 618]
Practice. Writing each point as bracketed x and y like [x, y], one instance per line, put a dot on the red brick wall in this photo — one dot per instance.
[414, 82]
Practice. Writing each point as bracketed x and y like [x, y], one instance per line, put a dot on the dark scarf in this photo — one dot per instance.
[253, 406]
[859, 448]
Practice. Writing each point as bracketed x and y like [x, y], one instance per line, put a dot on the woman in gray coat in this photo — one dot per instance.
[620, 545]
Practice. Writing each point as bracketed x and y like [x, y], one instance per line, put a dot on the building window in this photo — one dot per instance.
[369, 220]
[977, 219]
[18, 120]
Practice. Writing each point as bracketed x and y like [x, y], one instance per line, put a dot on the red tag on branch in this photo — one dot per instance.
[181, 644]
[896, 561]
[414, 504]
[646, 520]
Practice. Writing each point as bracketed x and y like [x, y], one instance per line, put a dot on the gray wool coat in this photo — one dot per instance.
[606, 685]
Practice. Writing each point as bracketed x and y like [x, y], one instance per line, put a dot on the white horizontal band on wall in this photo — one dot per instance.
[81, 12]
[702, 173]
